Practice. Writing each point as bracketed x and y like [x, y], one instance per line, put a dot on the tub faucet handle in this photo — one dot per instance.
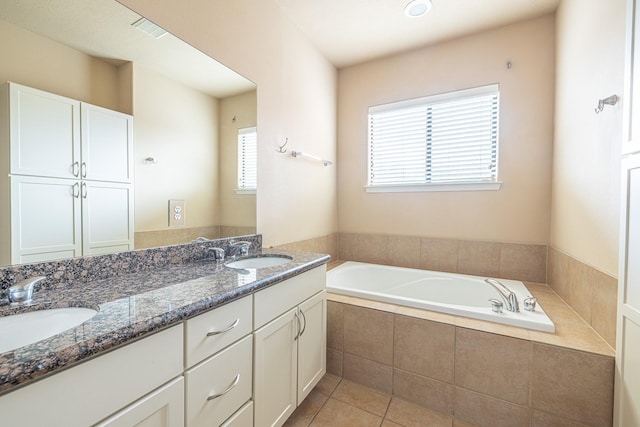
[530, 303]
[496, 305]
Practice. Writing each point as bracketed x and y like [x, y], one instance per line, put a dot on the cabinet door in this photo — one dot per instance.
[275, 370]
[107, 144]
[162, 408]
[312, 344]
[107, 217]
[44, 133]
[45, 219]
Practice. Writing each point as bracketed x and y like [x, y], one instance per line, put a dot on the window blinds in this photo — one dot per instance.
[247, 158]
[450, 138]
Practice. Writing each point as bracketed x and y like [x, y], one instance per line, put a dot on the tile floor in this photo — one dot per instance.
[337, 402]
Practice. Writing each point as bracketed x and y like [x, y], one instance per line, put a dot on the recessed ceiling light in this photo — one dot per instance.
[417, 8]
[149, 28]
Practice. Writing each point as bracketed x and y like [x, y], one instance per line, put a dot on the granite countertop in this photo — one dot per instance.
[133, 306]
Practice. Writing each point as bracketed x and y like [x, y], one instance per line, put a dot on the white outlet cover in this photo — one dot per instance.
[176, 213]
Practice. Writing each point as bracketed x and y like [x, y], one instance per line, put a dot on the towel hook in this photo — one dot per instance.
[611, 100]
[281, 148]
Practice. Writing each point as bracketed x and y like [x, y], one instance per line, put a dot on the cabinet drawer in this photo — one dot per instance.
[242, 418]
[228, 374]
[210, 332]
[272, 302]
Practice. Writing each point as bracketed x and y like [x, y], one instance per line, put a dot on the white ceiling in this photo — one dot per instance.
[345, 31]
[102, 28]
[348, 32]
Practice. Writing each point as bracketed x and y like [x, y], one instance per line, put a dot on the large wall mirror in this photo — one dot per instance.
[188, 109]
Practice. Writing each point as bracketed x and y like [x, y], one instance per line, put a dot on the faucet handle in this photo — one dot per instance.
[218, 253]
[242, 246]
[23, 290]
[496, 305]
[530, 303]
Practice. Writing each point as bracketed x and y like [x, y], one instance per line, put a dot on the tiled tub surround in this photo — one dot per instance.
[133, 305]
[516, 261]
[590, 292]
[474, 371]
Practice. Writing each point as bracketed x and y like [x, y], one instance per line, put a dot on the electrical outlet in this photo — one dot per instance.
[176, 213]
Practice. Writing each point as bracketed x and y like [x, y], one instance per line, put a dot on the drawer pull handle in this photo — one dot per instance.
[227, 329]
[231, 387]
[304, 328]
[298, 328]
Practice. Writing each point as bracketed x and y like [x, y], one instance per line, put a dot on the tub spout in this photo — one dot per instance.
[510, 299]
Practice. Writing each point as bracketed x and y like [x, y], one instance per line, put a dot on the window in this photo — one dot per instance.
[247, 160]
[438, 143]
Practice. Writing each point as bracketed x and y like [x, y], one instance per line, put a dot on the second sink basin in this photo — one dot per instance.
[18, 330]
[260, 261]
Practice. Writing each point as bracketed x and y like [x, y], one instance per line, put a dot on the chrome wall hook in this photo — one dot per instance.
[281, 148]
[611, 100]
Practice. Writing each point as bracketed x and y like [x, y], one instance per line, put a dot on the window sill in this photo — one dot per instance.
[418, 188]
[245, 191]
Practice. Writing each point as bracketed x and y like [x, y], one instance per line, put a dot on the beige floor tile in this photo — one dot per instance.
[409, 414]
[339, 414]
[328, 384]
[540, 419]
[304, 414]
[460, 423]
[362, 397]
[387, 423]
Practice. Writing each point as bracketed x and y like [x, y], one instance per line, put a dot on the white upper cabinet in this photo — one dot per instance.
[59, 137]
[44, 133]
[107, 145]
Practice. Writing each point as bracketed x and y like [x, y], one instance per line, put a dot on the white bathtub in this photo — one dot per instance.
[457, 294]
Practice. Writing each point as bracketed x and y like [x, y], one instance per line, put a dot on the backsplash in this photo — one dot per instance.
[60, 273]
[516, 261]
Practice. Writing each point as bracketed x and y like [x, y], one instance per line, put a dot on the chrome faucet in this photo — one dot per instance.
[22, 292]
[240, 247]
[510, 299]
[218, 253]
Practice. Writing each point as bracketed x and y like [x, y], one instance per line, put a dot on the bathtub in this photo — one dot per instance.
[450, 293]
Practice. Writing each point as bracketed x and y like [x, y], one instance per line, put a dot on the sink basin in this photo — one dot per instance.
[18, 330]
[262, 261]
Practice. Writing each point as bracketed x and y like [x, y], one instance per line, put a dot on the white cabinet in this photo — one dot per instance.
[290, 349]
[65, 177]
[89, 392]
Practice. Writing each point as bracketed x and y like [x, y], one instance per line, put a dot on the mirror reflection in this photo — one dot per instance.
[190, 113]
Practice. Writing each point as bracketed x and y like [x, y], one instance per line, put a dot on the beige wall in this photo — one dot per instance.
[296, 100]
[519, 212]
[178, 127]
[38, 62]
[236, 112]
[590, 65]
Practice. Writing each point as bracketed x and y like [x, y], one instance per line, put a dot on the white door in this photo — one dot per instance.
[312, 344]
[107, 217]
[45, 219]
[44, 133]
[107, 144]
[627, 402]
[275, 370]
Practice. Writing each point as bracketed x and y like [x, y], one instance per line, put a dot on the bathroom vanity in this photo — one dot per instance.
[194, 344]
